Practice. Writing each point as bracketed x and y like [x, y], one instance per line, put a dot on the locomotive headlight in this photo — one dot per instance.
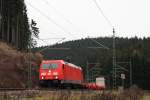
[42, 77]
[56, 77]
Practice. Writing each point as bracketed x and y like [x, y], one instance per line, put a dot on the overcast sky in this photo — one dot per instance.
[76, 19]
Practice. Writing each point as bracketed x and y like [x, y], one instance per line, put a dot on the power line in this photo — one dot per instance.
[48, 18]
[99, 43]
[101, 11]
[54, 48]
[60, 14]
[52, 38]
[47, 3]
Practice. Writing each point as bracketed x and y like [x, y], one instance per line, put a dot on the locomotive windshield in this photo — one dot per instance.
[49, 66]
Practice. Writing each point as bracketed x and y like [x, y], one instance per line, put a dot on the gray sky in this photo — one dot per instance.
[76, 19]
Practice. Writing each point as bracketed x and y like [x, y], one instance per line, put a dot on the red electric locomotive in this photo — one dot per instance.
[59, 72]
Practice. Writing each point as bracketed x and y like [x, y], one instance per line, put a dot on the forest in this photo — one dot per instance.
[15, 27]
[134, 51]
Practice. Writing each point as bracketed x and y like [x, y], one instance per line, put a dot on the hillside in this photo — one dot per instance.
[14, 67]
[80, 52]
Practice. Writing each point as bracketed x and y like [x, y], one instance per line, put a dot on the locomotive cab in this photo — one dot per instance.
[51, 71]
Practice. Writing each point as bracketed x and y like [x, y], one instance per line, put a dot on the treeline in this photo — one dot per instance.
[14, 24]
[134, 50]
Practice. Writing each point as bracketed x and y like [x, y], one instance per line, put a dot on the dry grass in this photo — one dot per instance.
[65, 95]
[130, 94]
[14, 66]
[146, 95]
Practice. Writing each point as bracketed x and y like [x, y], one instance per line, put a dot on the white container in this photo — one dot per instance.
[100, 81]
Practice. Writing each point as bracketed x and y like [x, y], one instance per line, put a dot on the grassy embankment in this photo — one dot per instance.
[129, 94]
[133, 93]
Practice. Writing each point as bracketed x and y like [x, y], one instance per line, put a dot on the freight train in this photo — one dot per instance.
[58, 73]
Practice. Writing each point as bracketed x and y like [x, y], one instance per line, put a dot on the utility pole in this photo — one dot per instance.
[1, 10]
[114, 61]
[87, 71]
[0, 23]
[130, 73]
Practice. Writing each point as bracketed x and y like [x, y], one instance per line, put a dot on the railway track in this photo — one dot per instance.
[19, 93]
[43, 89]
[29, 92]
[26, 92]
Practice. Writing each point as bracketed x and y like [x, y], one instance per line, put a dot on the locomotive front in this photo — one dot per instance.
[51, 71]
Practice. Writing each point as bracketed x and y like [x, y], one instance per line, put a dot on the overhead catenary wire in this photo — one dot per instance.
[101, 11]
[48, 18]
[43, 40]
[48, 46]
[47, 3]
[105, 47]
[51, 38]
[60, 14]
[53, 48]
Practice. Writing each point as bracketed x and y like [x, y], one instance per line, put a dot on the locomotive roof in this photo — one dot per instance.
[63, 62]
[72, 65]
[53, 61]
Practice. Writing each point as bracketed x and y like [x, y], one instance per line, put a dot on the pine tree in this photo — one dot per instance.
[14, 25]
